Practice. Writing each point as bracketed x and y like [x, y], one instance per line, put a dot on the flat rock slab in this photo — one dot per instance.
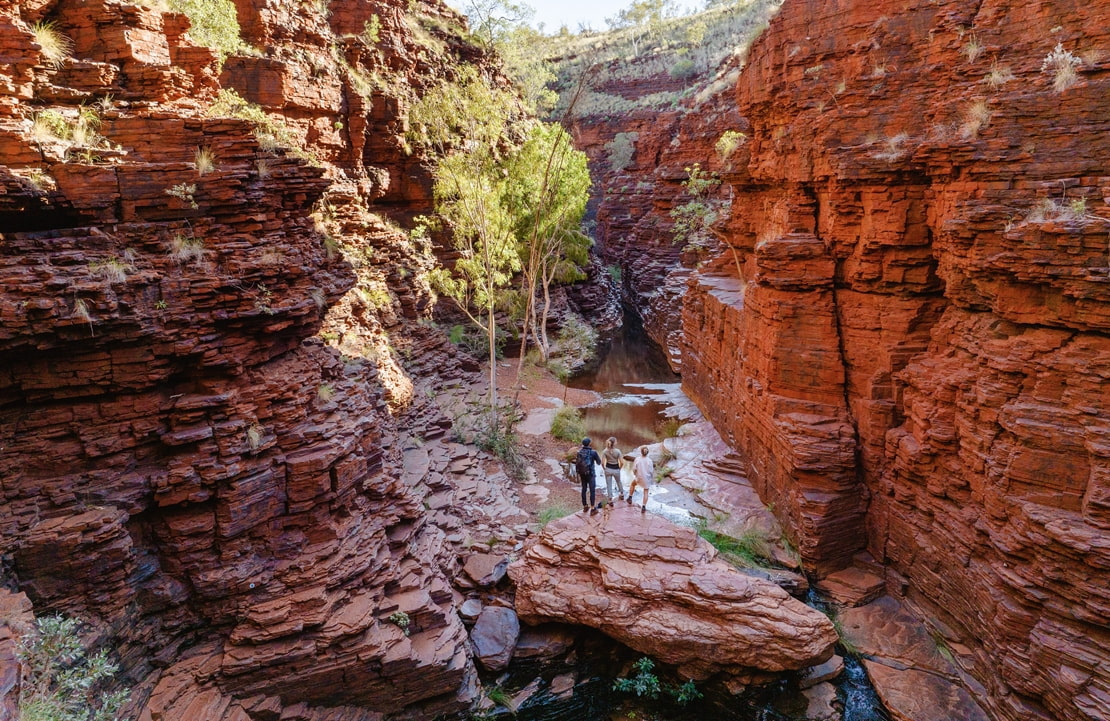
[494, 636]
[826, 671]
[660, 589]
[485, 569]
[892, 635]
[911, 695]
[545, 642]
[852, 586]
[822, 703]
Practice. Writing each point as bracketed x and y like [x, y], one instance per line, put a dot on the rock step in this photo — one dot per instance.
[852, 587]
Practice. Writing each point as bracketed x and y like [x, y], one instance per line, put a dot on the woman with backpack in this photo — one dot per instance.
[584, 462]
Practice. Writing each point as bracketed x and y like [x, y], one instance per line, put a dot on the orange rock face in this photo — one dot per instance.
[915, 355]
[659, 589]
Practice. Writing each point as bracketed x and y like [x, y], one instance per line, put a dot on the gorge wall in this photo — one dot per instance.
[916, 354]
[203, 398]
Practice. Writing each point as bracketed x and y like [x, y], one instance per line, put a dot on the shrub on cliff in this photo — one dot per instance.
[61, 683]
[214, 23]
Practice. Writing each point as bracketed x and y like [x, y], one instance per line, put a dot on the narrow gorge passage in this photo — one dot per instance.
[246, 322]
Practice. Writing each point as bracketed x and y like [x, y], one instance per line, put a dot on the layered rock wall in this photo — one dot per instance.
[914, 354]
[187, 461]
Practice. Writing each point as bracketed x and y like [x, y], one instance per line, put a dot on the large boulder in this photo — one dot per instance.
[661, 590]
[494, 637]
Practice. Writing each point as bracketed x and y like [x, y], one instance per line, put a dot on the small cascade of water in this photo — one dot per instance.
[853, 687]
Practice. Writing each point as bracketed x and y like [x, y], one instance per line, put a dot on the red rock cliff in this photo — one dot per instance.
[915, 358]
[184, 462]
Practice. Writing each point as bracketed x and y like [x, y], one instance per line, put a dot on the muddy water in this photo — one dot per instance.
[632, 375]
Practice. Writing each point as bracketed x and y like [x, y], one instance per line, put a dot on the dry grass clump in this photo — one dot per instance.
[976, 116]
[56, 47]
[185, 250]
[1064, 67]
[998, 76]
[204, 160]
[972, 49]
[893, 148]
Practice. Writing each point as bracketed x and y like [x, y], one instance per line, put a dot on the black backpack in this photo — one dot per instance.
[584, 462]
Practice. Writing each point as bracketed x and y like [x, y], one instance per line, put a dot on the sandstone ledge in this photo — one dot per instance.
[660, 589]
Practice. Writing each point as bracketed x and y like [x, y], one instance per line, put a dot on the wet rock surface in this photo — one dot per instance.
[657, 588]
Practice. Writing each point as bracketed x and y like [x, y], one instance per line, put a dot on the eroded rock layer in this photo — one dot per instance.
[186, 461]
[915, 353]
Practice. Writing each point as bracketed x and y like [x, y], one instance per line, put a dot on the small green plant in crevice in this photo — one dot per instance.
[751, 549]
[61, 682]
[271, 133]
[56, 47]
[499, 696]
[552, 512]
[568, 424]
[325, 392]
[401, 620]
[645, 684]
[615, 272]
[662, 473]
[185, 250]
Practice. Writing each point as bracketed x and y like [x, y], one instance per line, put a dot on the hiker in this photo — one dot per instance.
[643, 472]
[614, 462]
[584, 462]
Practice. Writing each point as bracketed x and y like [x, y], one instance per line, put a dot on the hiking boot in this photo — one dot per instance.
[620, 497]
[593, 511]
[630, 499]
[643, 509]
[585, 509]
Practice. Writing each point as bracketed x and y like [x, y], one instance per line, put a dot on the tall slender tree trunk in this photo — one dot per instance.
[492, 336]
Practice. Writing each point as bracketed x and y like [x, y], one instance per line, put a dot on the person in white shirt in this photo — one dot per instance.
[643, 472]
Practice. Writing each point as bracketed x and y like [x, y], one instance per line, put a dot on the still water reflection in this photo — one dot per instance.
[633, 377]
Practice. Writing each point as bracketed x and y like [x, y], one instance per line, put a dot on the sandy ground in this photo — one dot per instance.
[540, 395]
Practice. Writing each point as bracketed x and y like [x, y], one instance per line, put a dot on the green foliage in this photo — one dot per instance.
[62, 683]
[401, 620]
[684, 69]
[549, 186]
[577, 339]
[271, 133]
[456, 334]
[750, 550]
[693, 218]
[499, 696]
[506, 26]
[568, 425]
[728, 143]
[372, 29]
[615, 273]
[645, 684]
[621, 148]
[552, 512]
[214, 23]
